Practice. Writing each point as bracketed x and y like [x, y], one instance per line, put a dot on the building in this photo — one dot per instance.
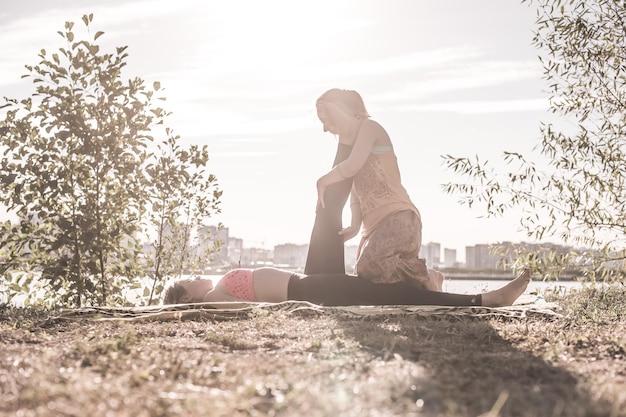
[480, 257]
[255, 257]
[449, 258]
[213, 240]
[432, 253]
[290, 255]
[235, 250]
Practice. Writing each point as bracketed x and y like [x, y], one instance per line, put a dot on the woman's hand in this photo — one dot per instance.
[349, 232]
[333, 176]
[321, 190]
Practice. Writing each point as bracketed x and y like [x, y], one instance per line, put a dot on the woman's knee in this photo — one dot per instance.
[366, 266]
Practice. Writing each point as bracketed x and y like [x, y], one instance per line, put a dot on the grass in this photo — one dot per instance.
[279, 364]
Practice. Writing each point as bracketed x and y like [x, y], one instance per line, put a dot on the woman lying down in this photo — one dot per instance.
[275, 285]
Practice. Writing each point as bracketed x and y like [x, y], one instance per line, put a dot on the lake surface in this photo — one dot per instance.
[470, 286]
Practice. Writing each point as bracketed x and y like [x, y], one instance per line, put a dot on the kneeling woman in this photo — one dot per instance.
[276, 285]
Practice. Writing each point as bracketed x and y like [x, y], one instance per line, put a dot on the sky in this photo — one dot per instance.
[451, 77]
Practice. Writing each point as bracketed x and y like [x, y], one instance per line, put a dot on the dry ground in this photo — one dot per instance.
[278, 364]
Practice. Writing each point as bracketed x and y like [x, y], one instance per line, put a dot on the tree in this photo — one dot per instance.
[580, 197]
[181, 201]
[76, 171]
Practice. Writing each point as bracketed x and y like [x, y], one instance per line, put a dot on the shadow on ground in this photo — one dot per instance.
[471, 370]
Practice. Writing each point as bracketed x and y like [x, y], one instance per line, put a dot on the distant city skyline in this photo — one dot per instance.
[435, 253]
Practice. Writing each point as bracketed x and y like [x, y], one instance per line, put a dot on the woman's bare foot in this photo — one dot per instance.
[507, 295]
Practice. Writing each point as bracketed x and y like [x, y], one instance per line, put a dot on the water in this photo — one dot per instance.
[471, 286]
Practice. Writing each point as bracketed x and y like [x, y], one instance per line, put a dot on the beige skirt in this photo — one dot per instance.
[391, 253]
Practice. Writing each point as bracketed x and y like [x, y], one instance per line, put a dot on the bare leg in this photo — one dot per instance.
[507, 295]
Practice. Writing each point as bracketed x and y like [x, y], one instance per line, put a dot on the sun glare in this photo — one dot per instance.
[274, 34]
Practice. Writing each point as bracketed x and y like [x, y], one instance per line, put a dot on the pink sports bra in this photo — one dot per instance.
[240, 283]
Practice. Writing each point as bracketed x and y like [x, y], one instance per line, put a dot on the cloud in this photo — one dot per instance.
[212, 124]
[459, 75]
[23, 35]
[478, 107]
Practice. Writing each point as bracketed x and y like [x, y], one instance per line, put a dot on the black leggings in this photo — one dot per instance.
[344, 290]
[326, 250]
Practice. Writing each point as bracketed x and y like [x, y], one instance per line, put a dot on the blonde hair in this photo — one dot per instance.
[349, 100]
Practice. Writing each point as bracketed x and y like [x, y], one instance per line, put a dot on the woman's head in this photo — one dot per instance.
[349, 102]
[188, 291]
